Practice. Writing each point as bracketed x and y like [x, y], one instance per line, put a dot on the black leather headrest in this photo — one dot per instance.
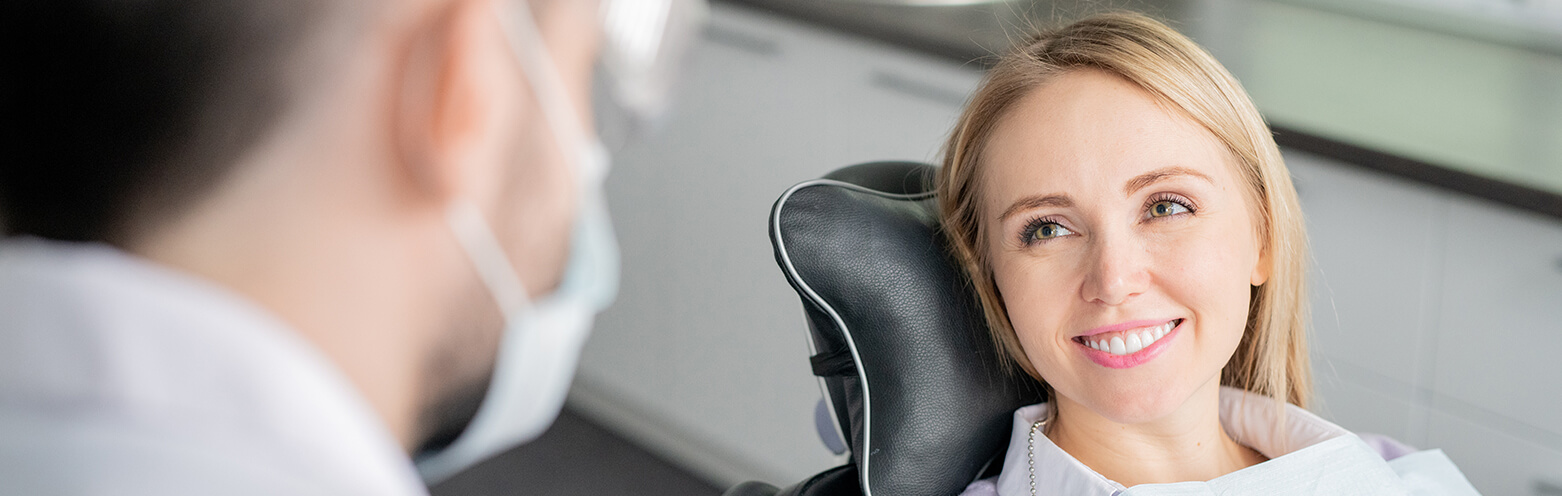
[899, 340]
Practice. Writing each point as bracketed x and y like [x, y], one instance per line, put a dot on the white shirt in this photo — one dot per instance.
[121, 377]
[1320, 458]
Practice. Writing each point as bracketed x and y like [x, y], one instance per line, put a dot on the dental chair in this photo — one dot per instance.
[913, 388]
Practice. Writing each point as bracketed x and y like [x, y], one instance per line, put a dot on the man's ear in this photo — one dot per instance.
[449, 104]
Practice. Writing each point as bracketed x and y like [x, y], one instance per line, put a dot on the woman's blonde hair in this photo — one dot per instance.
[1271, 358]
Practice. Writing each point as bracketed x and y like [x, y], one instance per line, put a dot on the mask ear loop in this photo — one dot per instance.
[520, 30]
[466, 220]
[488, 257]
[488, 430]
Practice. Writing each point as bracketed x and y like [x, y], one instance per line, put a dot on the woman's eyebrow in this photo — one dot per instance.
[1141, 181]
[1036, 201]
[1137, 183]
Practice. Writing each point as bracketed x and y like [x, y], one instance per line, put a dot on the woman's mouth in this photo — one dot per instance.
[1130, 341]
[1129, 347]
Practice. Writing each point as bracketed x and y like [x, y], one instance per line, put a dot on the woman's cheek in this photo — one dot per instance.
[1031, 294]
[1211, 276]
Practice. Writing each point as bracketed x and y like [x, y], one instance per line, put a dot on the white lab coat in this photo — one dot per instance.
[121, 377]
[1319, 458]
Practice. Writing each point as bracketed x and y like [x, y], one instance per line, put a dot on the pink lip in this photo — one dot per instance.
[1125, 326]
[1134, 359]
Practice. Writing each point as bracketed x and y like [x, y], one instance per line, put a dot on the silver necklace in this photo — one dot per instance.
[1030, 453]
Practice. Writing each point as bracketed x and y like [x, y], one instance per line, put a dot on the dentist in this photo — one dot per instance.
[303, 246]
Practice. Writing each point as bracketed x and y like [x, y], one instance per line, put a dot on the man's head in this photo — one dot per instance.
[121, 117]
[304, 154]
[117, 112]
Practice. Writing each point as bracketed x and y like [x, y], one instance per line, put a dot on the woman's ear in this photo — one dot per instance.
[1261, 269]
[449, 101]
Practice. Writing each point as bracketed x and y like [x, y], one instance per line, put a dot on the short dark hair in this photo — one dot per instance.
[119, 113]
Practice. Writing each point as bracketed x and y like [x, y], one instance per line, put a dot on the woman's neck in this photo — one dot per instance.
[1188, 445]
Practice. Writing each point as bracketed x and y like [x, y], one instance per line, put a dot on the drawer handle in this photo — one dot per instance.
[1543, 488]
[732, 38]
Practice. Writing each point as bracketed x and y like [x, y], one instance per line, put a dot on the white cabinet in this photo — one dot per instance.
[1346, 399]
[703, 357]
[1496, 461]
[1500, 316]
[1375, 265]
[1435, 320]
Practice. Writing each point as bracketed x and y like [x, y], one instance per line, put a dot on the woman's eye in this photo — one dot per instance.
[1166, 208]
[1046, 231]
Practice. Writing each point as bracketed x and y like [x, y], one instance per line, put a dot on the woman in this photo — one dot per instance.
[1131, 230]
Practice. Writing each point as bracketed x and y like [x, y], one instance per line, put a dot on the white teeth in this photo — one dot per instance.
[1132, 342]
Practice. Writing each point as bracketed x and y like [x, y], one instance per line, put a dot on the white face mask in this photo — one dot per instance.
[542, 339]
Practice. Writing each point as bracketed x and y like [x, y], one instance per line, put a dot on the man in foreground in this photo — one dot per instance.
[284, 247]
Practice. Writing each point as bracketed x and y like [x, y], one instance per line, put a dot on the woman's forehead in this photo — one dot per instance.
[1091, 132]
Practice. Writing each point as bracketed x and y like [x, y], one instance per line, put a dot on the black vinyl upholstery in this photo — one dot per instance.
[900, 344]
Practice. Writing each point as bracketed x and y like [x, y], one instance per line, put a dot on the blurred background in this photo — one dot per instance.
[1424, 136]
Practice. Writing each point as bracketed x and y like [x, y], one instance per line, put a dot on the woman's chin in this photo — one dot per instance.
[1134, 403]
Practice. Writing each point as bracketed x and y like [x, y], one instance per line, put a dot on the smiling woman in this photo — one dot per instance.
[1132, 232]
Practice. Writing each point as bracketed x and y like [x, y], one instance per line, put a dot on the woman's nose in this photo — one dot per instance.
[1116, 271]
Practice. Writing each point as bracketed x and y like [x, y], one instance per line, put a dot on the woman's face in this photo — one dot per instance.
[1122, 243]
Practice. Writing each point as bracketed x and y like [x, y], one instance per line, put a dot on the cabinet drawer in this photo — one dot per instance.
[1372, 240]
[1500, 316]
[1496, 462]
[1355, 400]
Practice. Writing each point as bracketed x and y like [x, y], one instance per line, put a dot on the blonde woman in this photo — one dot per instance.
[1133, 234]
